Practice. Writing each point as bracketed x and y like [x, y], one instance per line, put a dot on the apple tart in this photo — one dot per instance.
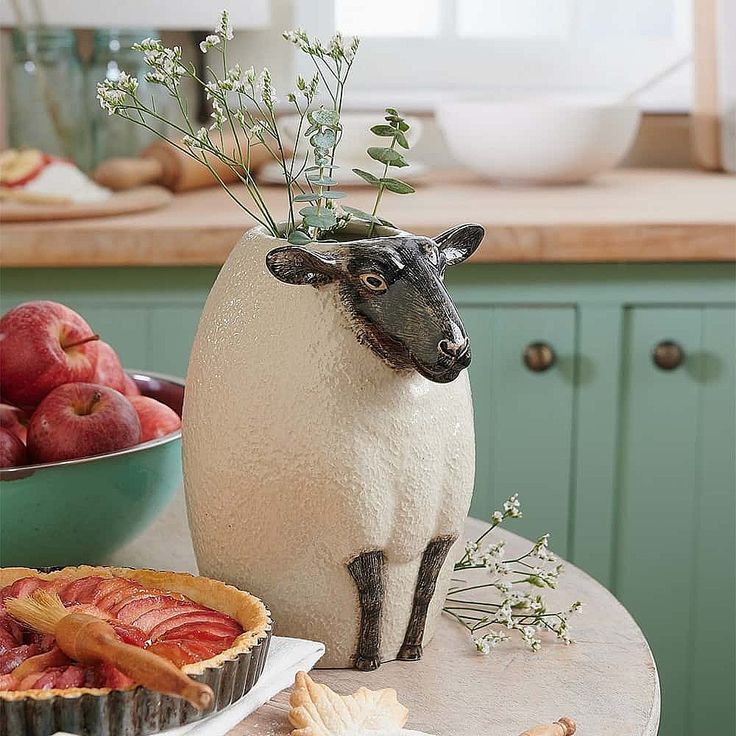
[213, 632]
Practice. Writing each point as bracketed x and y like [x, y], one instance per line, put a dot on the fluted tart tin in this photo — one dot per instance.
[139, 711]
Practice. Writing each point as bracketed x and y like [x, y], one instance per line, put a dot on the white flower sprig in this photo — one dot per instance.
[244, 115]
[518, 608]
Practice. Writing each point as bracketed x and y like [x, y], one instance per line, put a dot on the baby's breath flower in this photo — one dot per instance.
[266, 88]
[528, 636]
[209, 43]
[336, 47]
[256, 130]
[127, 83]
[489, 640]
[512, 507]
[352, 49]
[198, 140]
[218, 115]
[224, 28]
[520, 608]
[112, 96]
[471, 548]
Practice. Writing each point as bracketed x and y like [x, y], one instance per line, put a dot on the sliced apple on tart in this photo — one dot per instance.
[211, 631]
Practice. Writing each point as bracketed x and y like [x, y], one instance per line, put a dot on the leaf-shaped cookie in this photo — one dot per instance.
[318, 711]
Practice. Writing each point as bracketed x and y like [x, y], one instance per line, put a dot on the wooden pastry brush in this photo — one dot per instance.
[89, 640]
[562, 727]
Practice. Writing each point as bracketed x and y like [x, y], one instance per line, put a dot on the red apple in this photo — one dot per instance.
[131, 387]
[18, 167]
[109, 370]
[156, 418]
[12, 450]
[43, 345]
[15, 420]
[79, 420]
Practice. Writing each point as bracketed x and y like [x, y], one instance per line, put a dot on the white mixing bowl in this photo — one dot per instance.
[542, 140]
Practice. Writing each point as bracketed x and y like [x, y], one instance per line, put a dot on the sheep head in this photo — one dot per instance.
[393, 293]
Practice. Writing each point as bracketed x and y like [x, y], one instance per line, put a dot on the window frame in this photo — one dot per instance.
[498, 66]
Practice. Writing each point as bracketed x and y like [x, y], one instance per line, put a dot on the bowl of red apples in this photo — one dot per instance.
[89, 453]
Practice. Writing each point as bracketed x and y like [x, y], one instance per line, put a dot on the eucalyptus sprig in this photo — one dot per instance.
[519, 608]
[395, 128]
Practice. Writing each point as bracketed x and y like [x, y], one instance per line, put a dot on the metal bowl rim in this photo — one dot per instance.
[24, 470]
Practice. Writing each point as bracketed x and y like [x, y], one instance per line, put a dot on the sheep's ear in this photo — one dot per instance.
[460, 242]
[296, 265]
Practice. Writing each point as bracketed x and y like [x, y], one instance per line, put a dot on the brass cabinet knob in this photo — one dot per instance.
[539, 356]
[668, 355]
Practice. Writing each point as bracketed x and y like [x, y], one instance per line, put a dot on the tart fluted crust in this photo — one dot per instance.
[245, 608]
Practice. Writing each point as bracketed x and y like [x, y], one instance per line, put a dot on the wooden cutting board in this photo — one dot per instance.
[132, 200]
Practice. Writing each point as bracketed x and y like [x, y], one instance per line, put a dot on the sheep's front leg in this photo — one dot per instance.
[367, 571]
[429, 569]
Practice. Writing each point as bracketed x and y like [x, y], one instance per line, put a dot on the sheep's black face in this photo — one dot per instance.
[393, 293]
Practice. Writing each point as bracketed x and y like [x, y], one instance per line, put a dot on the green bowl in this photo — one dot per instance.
[80, 511]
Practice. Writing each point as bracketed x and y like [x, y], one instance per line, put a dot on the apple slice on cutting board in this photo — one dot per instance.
[18, 167]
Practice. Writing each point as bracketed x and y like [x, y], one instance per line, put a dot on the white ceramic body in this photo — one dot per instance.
[303, 449]
[356, 135]
[538, 141]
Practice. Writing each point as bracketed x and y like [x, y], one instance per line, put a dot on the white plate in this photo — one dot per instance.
[271, 173]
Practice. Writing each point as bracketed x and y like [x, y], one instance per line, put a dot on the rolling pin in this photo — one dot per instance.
[161, 163]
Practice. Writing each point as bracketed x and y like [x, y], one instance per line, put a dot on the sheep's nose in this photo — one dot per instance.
[458, 351]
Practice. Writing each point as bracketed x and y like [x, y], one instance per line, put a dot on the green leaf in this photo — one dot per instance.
[385, 222]
[308, 197]
[323, 139]
[400, 163]
[323, 221]
[392, 111]
[362, 215]
[323, 181]
[317, 168]
[297, 237]
[329, 118]
[384, 155]
[367, 176]
[401, 139]
[306, 211]
[403, 126]
[311, 129]
[334, 195]
[399, 187]
[384, 130]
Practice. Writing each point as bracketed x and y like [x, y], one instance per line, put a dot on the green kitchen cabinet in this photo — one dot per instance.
[676, 507]
[533, 458]
[629, 465]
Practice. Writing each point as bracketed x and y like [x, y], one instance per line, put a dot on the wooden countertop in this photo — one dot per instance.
[625, 215]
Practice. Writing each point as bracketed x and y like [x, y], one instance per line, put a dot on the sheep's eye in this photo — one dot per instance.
[374, 282]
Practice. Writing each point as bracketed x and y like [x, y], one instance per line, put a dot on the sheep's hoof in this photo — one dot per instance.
[367, 664]
[410, 652]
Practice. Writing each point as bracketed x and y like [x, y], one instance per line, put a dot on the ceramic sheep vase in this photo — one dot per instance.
[328, 436]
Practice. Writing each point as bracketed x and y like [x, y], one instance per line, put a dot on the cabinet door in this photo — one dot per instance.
[523, 418]
[673, 562]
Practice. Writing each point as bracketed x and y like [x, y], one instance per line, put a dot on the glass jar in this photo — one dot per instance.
[112, 135]
[46, 94]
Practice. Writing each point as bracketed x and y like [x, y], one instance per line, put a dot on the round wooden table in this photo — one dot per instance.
[606, 680]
